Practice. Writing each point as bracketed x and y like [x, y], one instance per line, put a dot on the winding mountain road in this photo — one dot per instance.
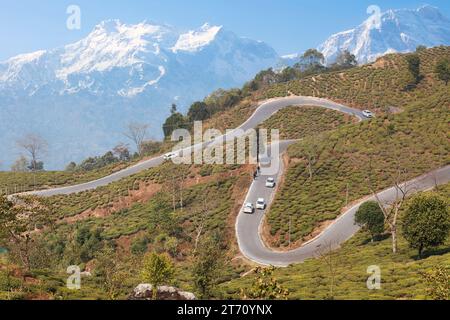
[263, 112]
[248, 227]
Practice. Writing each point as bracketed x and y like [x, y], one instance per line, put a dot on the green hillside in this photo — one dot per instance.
[401, 274]
[417, 137]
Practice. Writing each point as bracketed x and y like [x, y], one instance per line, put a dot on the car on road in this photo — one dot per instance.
[261, 204]
[170, 156]
[270, 183]
[248, 208]
[367, 114]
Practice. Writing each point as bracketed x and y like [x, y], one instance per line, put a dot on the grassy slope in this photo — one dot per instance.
[418, 135]
[122, 226]
[297, 123]
[400, 274]
[14, 182]
[376, 86]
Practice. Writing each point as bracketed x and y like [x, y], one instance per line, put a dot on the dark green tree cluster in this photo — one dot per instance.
[88, 242]
[443, 70]
[370, 217]
[310, 63]
[413, 61]
[426, 222]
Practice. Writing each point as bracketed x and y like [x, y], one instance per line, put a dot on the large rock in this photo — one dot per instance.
[144, 292]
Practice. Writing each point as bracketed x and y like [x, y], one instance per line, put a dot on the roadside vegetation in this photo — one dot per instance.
[343, 274]
[179, 221]
[329, 171]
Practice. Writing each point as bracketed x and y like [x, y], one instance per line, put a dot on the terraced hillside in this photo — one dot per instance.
[379, 86]
[298, 123]
[402, 275]
[416, 140]
[173, 210]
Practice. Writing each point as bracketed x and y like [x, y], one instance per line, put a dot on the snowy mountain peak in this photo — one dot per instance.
[399, 30]
[118, 73]
[195, 40]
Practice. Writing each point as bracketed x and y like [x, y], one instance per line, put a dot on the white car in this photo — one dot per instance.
[261, 204]
[367, 114]
[170, 156]
[248, 208]
[270, 183]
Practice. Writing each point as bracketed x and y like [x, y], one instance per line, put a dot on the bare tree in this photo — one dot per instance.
[182, 176]
[175, 180]
[35, 146]
[311, 149]
[391, 209]
[203, 214]
[137, 133]
[331, 259]
[20, 165]
[122, 152]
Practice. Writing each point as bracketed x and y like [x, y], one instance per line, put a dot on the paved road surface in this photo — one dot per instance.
[248, 227]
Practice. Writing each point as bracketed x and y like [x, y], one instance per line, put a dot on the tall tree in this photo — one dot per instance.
[174, 122]
[173, 108]
[20, 165]
[122, 152]
[109, 269]
[137, 133]
[331, 259]
[198, 111]
[36, 147]
[391, 209]
[313, 57]
[312, 152]
[426, 222]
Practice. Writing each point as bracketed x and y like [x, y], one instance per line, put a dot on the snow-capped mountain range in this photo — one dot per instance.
[81, 96]
[400, 30]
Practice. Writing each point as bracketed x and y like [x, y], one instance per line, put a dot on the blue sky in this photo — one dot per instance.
[287, 25]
